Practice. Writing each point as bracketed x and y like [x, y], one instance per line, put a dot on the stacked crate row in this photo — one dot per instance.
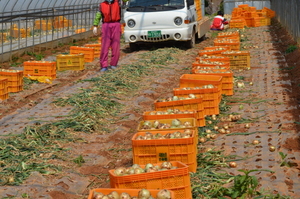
[73, 61]
[14, 80]
[245, 15]
[198, 95]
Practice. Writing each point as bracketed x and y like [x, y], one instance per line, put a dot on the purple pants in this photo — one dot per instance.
[111, 33]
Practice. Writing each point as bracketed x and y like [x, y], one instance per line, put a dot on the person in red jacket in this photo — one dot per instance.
[219, 22]
[110, 12]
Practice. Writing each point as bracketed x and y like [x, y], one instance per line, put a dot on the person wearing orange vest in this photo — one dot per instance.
[110, 13]
[219, 22]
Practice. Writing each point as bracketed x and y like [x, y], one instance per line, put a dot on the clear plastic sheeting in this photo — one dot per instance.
[259, 4]
[26, 23]
[287, 13]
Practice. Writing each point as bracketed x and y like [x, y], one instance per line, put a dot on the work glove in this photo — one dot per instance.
[95, 30]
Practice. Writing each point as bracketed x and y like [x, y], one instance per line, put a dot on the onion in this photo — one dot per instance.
[119, 171]
[134, 166]
[105, 197]
[177, 134]
[202, 140]
[175, 98]
[164, 194]
[144, 193]
[247, 126]
[213, 136]
[272, 148]
[138, 171]
[156, 123]
[232, 164]
[113, 195]
[166, 165]
[98, 195]
[125, 196]
[176, 122]
[149, 165]
[223, 131]
[192, 96]
[188, 132]
[208, 131]
[255, 142]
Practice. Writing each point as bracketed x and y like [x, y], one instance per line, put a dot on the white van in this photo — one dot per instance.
[164, 20]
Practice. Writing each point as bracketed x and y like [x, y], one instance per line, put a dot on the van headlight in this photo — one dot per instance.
[130, 23]
[178, 21]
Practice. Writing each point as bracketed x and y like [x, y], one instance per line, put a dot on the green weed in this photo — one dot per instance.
[291, 49]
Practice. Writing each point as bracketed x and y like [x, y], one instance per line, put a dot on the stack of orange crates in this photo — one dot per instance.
[43, 25]
[97, 48]
[3, 88]
[238, 59]
[19, 32]
[88, 52]
[177, 180]
[14, 79]
[131, 192]
[61, 22]
[248, 16]
[198, 115]
[40, 68]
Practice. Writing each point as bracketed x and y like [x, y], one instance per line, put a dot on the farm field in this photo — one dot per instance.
[69, 134]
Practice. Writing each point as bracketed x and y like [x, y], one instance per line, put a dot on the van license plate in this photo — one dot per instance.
[153, 34]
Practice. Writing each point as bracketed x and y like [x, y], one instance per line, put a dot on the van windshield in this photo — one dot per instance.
[155, 5]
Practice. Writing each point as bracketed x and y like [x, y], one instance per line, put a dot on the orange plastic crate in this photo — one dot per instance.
[212, 51]
[214, 58]
[199, 116]
[161, 150]
[194, 80]
[205, 69]
[40, 68]
[177, 180]
[131, 192]
[261, 13]
[263, 21]
[189, 104]
[270, 13]
[228, 34]
[227, 80]
[169, 121]
[97, 49]
[15, 80]
[238, 59]
[70, 62]
[210, 96]
[200, 64]
[233, 43]
[237, 23]
[15, 89]
[3, 89]
[244, 6]
[86, 51]
[224, 48]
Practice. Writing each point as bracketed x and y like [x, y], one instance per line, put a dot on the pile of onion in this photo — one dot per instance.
[142, 194]
[187, 133]
[176, 123]
[137, 169]
[174, 98]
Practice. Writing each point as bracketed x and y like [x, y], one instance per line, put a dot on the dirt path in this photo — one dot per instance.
[272, 99]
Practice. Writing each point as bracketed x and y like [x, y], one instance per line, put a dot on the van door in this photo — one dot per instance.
[191, 11]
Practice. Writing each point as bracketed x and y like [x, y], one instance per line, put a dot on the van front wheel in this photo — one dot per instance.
[191, 43]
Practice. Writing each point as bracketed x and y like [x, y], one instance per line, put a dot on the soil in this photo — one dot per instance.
[276, 78]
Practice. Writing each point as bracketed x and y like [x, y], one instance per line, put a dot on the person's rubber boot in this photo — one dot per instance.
[113, 67]
[103, 69]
